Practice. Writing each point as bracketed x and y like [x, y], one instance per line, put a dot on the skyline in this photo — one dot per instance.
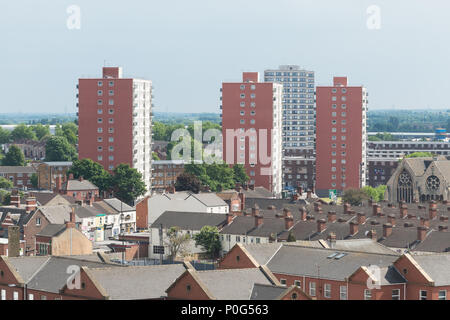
[189, 49]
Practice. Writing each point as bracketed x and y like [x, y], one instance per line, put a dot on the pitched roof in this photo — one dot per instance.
[52, 230]
[53, 275]
[118, 205]
[17, 169]
[262, 252]
[232, 284]
[139, 282]
[266, 292]
[189, 220]
[437, 266]
[27, 266]
[303, 261]
[77, 185]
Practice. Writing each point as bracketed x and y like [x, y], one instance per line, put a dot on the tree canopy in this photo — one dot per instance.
[188, 182]
[92, 171]
[355, 197]
[14, 157]
[376, 194]
[5, 183]
[127, 184]
[57, 148]
[23, 131]
[209, 239]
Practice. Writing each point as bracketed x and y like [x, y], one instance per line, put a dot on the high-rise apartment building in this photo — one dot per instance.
[340, 137]
[251, 127]
[298, 124]
[115, 120]
[298, 105]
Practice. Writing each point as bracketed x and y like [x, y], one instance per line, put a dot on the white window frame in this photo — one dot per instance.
[312, 289]
[343, 295]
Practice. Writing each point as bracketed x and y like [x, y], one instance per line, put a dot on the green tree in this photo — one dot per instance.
[34, 180]
[41, 131]
[217, 176]
[22, 131]
[376, 194]
[57, 148]
[188, 182]
[209, 239]
[354, 197]
[5, 183]
[14, 157]
[291, 237]
[92, 171]
[155, 156]
[5, 198]
[239, 174]
[419, 155]
[5, 136]
[127, 184]
[177, 242]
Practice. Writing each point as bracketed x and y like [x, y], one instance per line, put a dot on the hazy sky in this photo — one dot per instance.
[187, 48]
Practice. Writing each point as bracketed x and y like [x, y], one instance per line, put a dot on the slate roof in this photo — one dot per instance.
[232, 284]
[437, 266]
[27, 266]
[311, 262]
[118, 205]
[262, 252]
[258, 192]
[140, 282]
[189, 220]
[52, 276]
[52, 230]
[17, 169]
[266, 292]
[77, 185]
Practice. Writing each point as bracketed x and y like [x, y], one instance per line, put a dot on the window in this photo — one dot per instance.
[111, 130]
[111, 120]
[242, 113]
[111, 111]
[242, 87]
[252, 96]
[38, 221]
[367, 294]
[442, 295]
[99, 120]
[111, 83]
[100, 158]
[3, 294]
[15, 295]
[242, 96]
[43, 297]
[99, 92]
[30, 296]
[327, 290]
[99, 139]
[283, 282]
[100, 83]
[343, 293]
[111, 158]
[111, 92]
[99, 111]
[99, 148]
[396, 294]
[99, 130]
[111, 102]
[423, 295]
[111, 139]
[99, 102]
[312, 289]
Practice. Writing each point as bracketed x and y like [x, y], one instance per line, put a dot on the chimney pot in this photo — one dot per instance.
[353, 228]
[443, 228]
[376, 209]
[387, 230]
[391, 219]
[288, 222]
[361, 217]
[331, 216]
[302, 213]
[421, 233]
[321, 225]
[258, 220]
